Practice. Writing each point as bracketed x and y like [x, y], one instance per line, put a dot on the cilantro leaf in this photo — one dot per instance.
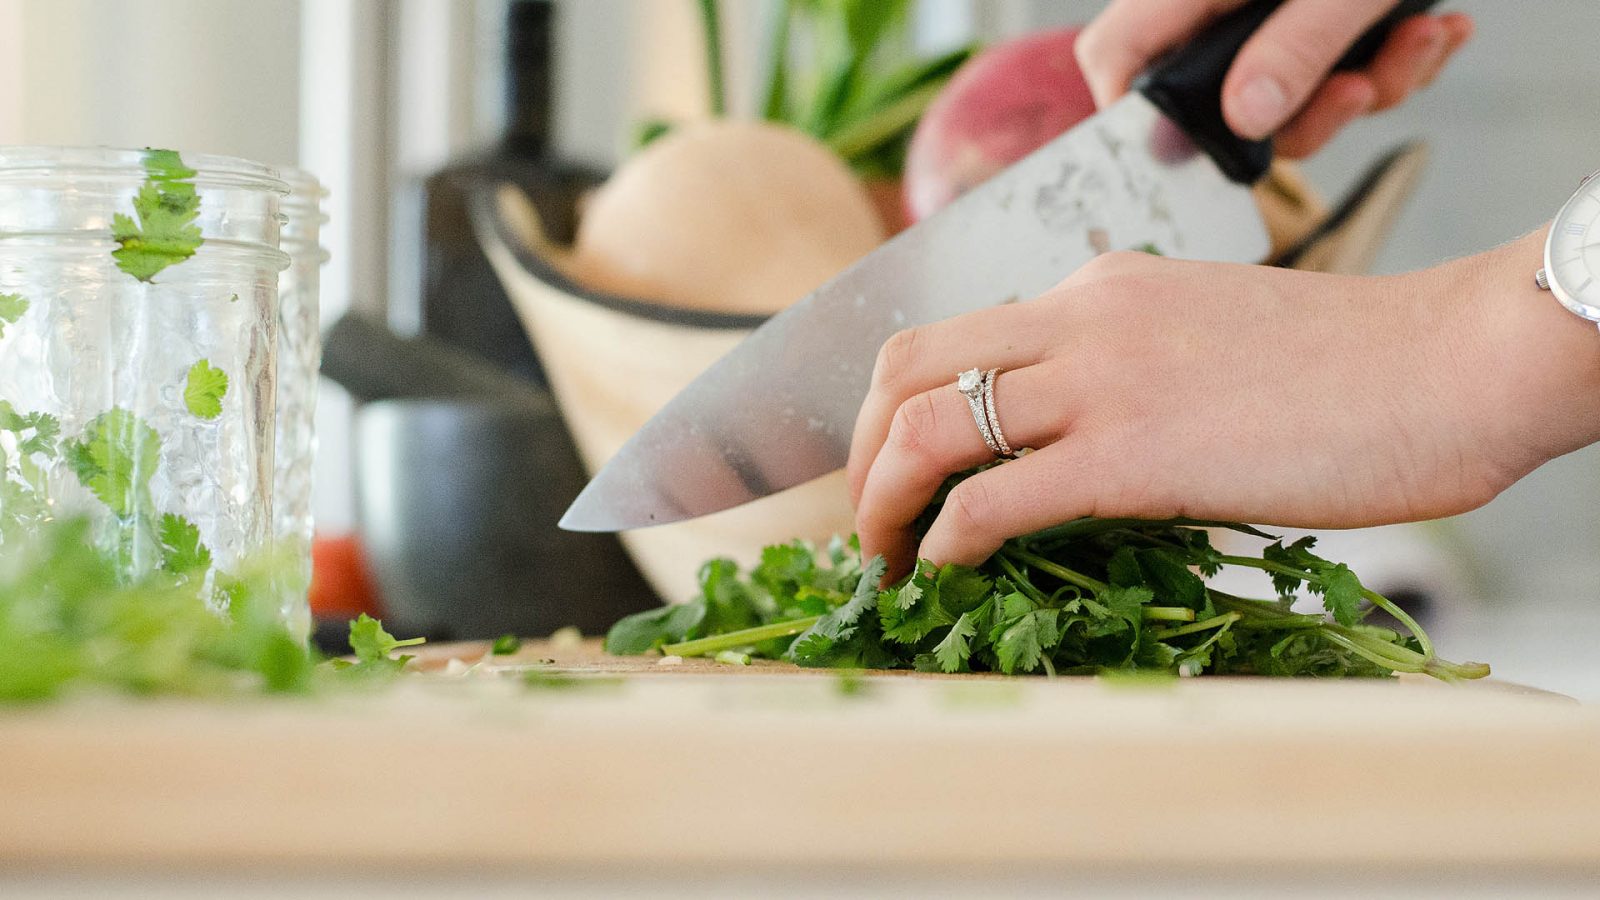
[1022, 644]
[12, 307]
[848, 637]
[1295, 556]
[181, 549]
[956, 648]
[912, 611]
[505, 645]
[648, 630]
[204, 389]
[115, 459]
[1341, 594]
[166, 207]
[372, 646]
[45, 427]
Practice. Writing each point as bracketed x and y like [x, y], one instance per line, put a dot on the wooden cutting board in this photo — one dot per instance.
[641, 765]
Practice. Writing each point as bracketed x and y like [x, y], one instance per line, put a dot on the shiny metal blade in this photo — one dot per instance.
[778, 410]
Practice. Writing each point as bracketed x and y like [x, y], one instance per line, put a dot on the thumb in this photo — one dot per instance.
[1284, 63]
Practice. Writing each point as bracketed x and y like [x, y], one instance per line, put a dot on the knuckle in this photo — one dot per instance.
[1090, 48]
[1111, 265]
[915, 426]
[971, 506]
[896, 357]
[1301, 56]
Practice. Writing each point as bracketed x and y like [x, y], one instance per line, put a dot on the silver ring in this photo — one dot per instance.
[977, 388]
[999, 445]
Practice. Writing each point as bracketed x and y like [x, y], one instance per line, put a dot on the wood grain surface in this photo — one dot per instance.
[627, 764]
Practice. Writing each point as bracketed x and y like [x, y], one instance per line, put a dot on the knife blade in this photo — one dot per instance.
[1159, 169]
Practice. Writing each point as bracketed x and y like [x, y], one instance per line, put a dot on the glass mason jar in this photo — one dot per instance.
[138, 345]
[299, 360]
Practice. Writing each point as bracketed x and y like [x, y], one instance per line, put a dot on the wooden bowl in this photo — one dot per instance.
[612, 363]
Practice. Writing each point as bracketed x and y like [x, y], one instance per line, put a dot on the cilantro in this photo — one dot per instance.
[115, 459]
[1089, 596]
[12, 307]
[849, 636]
[166, 206]
[45, 427]
[204, 389]
[649, 630]
[505, 645]
[69, 620]
[955, 649]
[372, 646]
[181, 550]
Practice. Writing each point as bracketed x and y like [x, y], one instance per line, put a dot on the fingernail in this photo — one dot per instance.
[1262, 106]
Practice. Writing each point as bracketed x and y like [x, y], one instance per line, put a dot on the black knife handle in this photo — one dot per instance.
[1187, 83]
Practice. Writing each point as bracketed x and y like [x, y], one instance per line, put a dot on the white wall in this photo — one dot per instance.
[202, 75]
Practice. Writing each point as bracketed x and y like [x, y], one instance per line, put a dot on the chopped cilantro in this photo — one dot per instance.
[204, 389]
[505, 645]
[12, 308]
[166, 207]
[181, 549]
[372, 646]
[115, 459]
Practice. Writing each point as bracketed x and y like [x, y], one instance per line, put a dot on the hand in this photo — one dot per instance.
[1154, 388]
[1280, 83]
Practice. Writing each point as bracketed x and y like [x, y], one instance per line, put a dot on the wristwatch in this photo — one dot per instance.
[1572, 253]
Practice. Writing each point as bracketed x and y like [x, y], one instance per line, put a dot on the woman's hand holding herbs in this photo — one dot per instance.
[1154, 388]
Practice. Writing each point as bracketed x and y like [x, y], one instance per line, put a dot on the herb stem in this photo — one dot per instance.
[1058, 570]
[1385, 604]
[718, 642]
[1222, 621]
[1373, 597]
[1023, 584]
[1168, 614]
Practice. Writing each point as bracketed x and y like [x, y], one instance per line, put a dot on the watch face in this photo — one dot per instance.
[1572, 255]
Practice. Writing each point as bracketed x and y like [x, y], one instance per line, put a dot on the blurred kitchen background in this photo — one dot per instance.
[377, 97]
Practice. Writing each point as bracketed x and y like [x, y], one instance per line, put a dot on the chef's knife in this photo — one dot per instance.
[1159, 169]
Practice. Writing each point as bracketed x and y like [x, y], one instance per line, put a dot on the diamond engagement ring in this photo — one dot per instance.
[978, 387]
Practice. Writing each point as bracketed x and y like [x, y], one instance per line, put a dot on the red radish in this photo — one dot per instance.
[1007, 102]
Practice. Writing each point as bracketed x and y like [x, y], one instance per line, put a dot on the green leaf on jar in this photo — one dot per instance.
[204, 390]
[164, 233]
[115, 459]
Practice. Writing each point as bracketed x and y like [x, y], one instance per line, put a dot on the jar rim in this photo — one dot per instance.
[211, 170]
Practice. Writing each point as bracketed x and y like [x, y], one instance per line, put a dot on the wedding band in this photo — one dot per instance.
[978, 388]
[998, 445]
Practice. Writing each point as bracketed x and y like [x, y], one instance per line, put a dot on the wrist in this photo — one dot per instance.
[1537, 377]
